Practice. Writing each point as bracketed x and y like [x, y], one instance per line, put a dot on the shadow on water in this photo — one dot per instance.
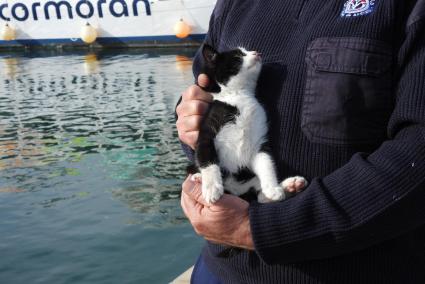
[89, 156]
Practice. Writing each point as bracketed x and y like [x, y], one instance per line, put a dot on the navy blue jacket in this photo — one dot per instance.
[343, 84]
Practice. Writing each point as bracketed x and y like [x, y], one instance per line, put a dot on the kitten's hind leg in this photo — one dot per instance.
[263, 166]
[294, 184]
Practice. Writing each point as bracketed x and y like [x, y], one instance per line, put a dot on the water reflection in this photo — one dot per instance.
[90, 167]
[91, 64]
[56, 111]
[183, 63]
[10, 67]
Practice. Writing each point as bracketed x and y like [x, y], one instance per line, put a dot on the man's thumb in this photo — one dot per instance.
[203, 81]
[192, 189]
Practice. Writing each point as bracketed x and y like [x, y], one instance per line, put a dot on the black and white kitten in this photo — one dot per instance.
[231, 152]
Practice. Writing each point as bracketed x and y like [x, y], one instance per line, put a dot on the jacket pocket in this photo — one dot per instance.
[349, 93]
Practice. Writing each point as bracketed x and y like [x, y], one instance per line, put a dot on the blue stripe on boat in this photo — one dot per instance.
[105, 40]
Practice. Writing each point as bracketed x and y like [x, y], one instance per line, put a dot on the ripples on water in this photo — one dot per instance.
[88, 150]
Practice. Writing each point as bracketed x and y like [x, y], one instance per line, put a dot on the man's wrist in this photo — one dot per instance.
[247, 241]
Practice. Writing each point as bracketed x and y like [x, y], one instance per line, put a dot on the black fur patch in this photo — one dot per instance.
[218, 115]
[265, 148]
[191, 169]
[222, 66]
[244, 175]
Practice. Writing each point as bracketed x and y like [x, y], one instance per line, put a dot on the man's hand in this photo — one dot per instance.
[224, 222]
[194, 104]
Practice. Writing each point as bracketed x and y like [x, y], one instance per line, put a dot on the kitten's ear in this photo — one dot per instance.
[209, 53]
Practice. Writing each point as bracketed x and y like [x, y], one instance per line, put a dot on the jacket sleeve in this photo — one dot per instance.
[217, 20]
[372, 198]
[214, 29]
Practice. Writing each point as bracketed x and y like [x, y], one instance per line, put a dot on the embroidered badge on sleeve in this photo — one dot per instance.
[355, 8]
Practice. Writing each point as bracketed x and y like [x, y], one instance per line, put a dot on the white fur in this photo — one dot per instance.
[246, 79]
[238, 144]
[212, 184]
[263, 166]
[196, 177]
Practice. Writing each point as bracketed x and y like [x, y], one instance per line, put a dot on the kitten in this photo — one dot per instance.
[232, 151]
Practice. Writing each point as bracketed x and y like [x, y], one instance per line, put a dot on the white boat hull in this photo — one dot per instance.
[127, 22]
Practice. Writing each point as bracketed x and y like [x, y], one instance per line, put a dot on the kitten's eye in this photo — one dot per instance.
[240, 54]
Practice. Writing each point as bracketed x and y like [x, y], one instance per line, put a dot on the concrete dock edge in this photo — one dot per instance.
[184, 278]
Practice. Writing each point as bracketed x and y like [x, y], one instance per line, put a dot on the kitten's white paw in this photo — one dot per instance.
[211, 191]
[212, 184]
[262, 198]
[294, 184]
[271, 194]
[196, 178]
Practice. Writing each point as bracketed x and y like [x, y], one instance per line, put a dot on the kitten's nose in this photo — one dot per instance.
[257, 55]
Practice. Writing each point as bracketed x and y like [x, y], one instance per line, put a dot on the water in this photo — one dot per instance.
[91, 167]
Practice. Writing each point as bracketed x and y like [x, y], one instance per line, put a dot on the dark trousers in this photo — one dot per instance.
[201, 274]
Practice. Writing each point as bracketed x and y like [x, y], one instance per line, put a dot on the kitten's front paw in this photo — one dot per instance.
[262, 198]
[196, 178]
[271, 194]
[294, 184]
[212, 184]
[211, 190]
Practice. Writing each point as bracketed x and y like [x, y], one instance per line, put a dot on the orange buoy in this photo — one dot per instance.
[182, 29]
[88, 33]
[8, 33]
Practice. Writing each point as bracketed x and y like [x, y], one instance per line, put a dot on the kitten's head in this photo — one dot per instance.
[236, 68]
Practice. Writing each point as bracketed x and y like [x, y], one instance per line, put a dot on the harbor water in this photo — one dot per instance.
[91, 167]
